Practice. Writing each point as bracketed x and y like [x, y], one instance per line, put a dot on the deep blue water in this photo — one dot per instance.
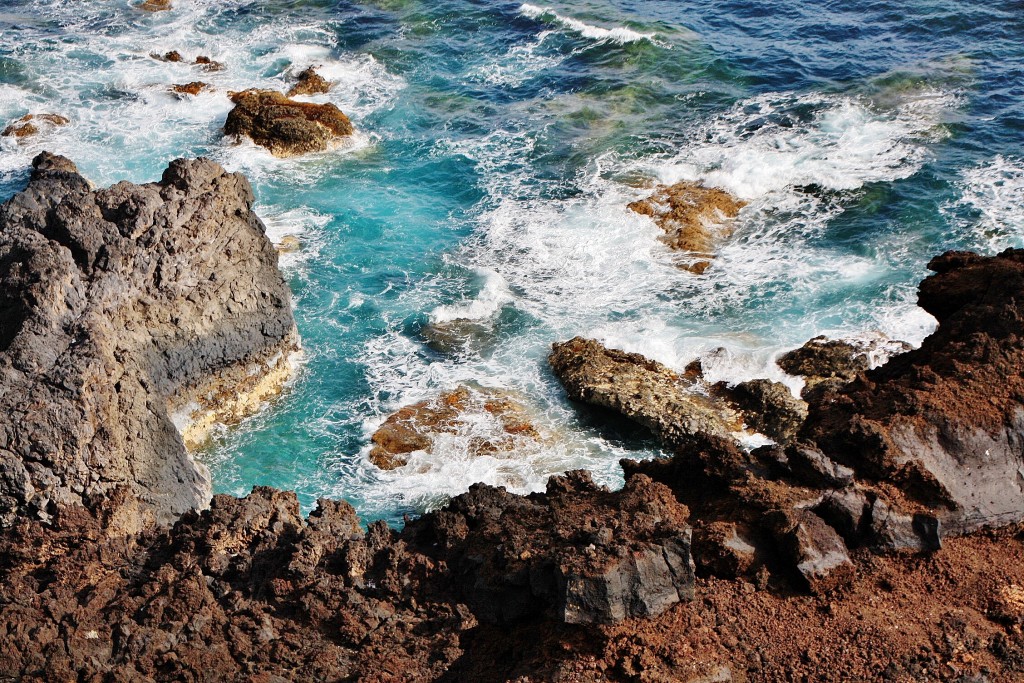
[498, 146]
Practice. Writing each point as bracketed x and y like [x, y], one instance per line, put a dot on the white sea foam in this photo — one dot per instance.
[619, 34]
[995, 190]
[494, 294]
[300, 223]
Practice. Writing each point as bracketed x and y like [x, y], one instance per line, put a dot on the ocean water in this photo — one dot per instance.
[499, 144]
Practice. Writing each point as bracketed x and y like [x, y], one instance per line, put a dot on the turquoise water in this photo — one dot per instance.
[498, 146]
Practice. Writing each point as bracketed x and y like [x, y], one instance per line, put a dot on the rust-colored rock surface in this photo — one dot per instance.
[285, 127]
[695, 218]
[193, 88]
[414, 427]
[309, 82]
[32, 124]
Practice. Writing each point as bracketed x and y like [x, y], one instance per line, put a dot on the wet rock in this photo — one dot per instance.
[309, 82]
[414, 427]
[33, 124]
[831, 363]
[172, 56]
[768, 407]
[289, 244]
[457, 336]
[114, 322]
[641, 389]
[695, 218]
[193, 88]
[285, 127]
[945, 422]
[155, 5]
[208, 64]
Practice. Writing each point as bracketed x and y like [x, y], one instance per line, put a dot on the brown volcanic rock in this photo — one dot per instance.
[641, 389]
[120, 308]
[285, 127]
[695, 218]
[309, 82]
[155, 5]
[945, 422]
[193, 88]
[30, 124]
[413, 427]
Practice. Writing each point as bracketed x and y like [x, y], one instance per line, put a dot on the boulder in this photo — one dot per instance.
[208, 64]
[284, 126]
[641, 389]
[155, 5]
[695, 218]
[818, 552]
[453, 337]
[193, 88]
[944, 423]
[32, 124]
[414, 427]
[768, 407]
[830, 363]
[119, 339]
[309, 82]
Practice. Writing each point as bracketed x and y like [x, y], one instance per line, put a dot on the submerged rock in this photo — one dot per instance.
[458, 336]
[695, 218]
[32, 124]
[128, 316]
[414, 427]
[309, 82]
[641, 389]
[208, 64]
[285, 127]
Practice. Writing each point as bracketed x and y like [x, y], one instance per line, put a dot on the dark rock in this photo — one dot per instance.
[309, 82]
[944, 423]
[895, 531]
[114, 317]
[720, 549]
[208, 64]
[768, 407]
[285, 127]
[641, 389]
[551, 553]
[813, 467]
[819, 553]
[835, 362]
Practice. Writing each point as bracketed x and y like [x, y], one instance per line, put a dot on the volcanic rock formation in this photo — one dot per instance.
[309, 82]
[695, 219]
[32, 124]
[124, 311]
[285, 127]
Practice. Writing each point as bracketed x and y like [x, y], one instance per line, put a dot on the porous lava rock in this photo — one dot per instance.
[945, 422]
[193, 88]
[768, 407]
[641, 389]
[309, 82]
[695, 219]
[285, 127]
[32, 124]
[414, 427]
[155, 5]
[123, 310]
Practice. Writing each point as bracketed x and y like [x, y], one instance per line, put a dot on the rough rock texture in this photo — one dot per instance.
[641, 389]
[695, 219]
[945, 423]
[768, 407]
[118, 309]
[830, 363]
[155, 5]
[309, 82]
[32, 124]
[285, 127]
[414, 427]
[193, 88]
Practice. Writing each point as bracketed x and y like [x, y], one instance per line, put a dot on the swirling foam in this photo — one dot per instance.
[619, 34]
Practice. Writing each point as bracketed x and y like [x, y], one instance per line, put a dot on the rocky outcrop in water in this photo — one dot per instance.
[285, 127]
[128, 315]
[414, 427]
[695, 219]
[646, 391]
[33, 124]
[309, 82]
[193, 88]
[830, 363]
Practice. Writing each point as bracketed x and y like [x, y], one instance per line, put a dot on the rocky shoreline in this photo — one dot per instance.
[878, 540]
